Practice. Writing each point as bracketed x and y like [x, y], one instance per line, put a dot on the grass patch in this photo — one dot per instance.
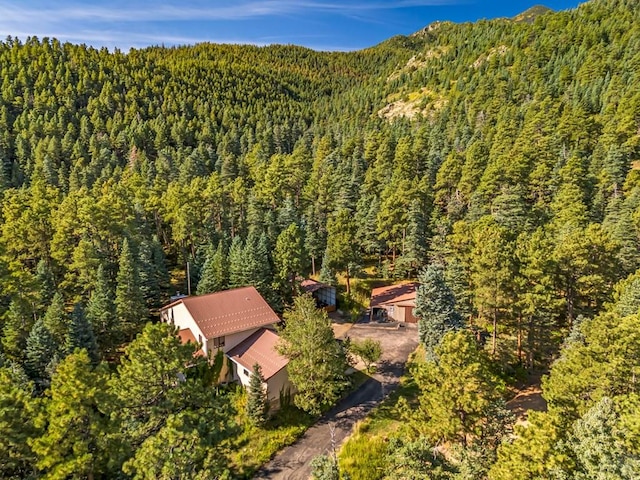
[255, 446]
[364, 458]
[363, 455]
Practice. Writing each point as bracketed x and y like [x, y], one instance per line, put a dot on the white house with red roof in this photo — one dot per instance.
[241, 324]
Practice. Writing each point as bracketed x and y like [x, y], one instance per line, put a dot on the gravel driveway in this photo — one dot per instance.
[293, 462]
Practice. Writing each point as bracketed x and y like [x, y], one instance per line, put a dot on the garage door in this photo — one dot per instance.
[408, 315]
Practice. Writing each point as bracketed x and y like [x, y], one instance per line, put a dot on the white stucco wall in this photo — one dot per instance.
[182, 319]
[277, 383]
[233, 339]
[239, 375]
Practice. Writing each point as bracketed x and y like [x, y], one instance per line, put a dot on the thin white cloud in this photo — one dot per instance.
[137, 12]
[139, 23]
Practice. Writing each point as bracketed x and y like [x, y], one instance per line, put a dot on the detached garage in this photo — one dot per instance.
[394, 302]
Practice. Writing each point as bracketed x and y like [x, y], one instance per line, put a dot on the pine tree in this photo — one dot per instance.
[257, 402]
[40, 351]
[18, 412]
[56, 319]
[80, 334]
[317, 363]
[327, 275]
[131, 310]
[457, 391]
[341, 247]
[155, 379]
[77, 417]
[46, 283]
[213, 277]
[599, 446]
[18, 322]
[101, 313]
[147, 274]
[287, 258]
[236, 264]
[435, 309]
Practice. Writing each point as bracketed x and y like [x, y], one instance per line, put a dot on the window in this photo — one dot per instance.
[200, 339]
[246, 372]
[218, 342]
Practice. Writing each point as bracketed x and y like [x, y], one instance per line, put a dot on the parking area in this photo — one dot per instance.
[398, 342]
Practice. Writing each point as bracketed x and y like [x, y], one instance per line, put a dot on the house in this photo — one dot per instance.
[238, 322]
[325, 295]
[260, 348]
[394, 302]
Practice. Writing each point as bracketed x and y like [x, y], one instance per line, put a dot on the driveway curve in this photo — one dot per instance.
[294, 461]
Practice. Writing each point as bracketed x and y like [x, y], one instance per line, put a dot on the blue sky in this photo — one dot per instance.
[318, 24]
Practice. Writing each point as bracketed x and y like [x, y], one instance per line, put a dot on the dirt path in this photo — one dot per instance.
[529, 397]
[293, 462]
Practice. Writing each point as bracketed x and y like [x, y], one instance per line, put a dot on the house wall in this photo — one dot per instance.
[240, 376]
[233, 339]
[409, 317]
[399, 313]
[182, 319]
[276, 384]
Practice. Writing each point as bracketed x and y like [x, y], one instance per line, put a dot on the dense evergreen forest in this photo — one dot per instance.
[499, 161]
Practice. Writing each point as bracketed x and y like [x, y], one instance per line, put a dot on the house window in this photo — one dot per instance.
[246, 372]
[218, 342]
[200, 339]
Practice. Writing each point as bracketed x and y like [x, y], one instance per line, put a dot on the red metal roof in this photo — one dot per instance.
[229, 311]
[186, 336]
[310, 285]
[259, 348]
[404, 293]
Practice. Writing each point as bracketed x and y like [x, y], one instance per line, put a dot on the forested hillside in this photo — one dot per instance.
[505, 154]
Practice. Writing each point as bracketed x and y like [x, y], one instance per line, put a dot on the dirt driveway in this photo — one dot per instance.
[293, 462]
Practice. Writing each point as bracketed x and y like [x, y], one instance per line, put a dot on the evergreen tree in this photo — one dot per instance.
[154, 382]
[599, 445]
[18, 411]
[236, 264]
[457, 391]
[149, 279]
[213, 277]
[196, 454]
[327, 275]
[80, 334]
[17, 325]
[288, 260]
[74, 443]
[257, 402]
[131, 309]
[101, 313]
[46, 283]
[435, 309]
[341, 248]
[317, 363]
[56, 319]
[41, 350]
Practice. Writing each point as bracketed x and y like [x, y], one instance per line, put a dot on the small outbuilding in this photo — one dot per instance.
[394, 303]
[325, 295]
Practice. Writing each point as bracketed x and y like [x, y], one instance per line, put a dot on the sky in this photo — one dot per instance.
[317, 24]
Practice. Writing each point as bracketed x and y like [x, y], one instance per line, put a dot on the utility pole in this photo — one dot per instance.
[188, 280]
